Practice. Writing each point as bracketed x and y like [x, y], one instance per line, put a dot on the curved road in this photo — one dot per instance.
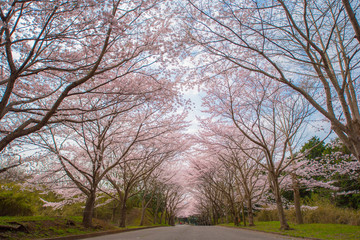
[186, 232]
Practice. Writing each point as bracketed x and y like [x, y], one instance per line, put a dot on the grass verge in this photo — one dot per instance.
[314, 230]
[39, 227]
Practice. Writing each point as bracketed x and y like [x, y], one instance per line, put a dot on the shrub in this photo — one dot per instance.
[326, 212]
[16, 202]
[267, 215]
[329, 213]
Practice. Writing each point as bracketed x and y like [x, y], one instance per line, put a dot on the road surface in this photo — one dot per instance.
[186, 232]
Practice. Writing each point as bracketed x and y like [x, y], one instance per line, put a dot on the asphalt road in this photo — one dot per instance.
[186, 232]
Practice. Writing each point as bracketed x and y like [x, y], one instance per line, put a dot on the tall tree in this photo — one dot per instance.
[93, 144]
[270, 118]
[248, 175]
[308, 46]
[56, 50]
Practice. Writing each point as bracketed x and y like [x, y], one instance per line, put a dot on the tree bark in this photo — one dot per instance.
[352, 18]
[143, 211]
[236, 219]
[243, 213]
[215, 217]
[235, 214]
[165, 218]
[297, 205]
[142, 216]
[161, 217]
[171, 220]
[123, 214]
[89, 210]
[280, 209]
[155, 217]
[156, 211]
[116, 205]
[250, 212]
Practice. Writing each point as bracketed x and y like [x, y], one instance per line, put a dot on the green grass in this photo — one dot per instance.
[45, 227]
[314, 230]
[5, 219]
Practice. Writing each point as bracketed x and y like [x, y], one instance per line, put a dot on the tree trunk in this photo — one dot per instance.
[352, 18]
[89, 210]
[123, 214]
[297, 205]
[280, 209]
[215, 217]
[250, 212]
[116, 205]
[143, 211]
[161, 217]
[142, 216]
[171, 220]
[243, 213]
[155, 217]
[351, 139]
[144, 206]
[156, 211]
[236, 220]
[235, 214]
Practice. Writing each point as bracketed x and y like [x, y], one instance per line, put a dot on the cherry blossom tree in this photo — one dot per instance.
[127, 177]
[306, 46]
[329, 171]
[91, 157]
[174, 198]
[268, 117]
[248, 175]
[91, 145]
[202, 174]
[55, 51]
[149, 190]
[223, 181]
[158, 202]
[247, 181]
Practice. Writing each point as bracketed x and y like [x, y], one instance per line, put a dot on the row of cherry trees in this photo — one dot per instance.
[58, 57]
[91, 87]
[119, 152]
[232, 182]
[309, 47]
[85, 90]
[251, 128]
[247, 150]
[266, 68]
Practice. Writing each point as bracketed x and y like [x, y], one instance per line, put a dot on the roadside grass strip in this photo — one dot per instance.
[314, 230]
[41, 227]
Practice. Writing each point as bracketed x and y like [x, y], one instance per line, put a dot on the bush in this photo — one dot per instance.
[326, 212]
[267, 215]
[15, 202]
